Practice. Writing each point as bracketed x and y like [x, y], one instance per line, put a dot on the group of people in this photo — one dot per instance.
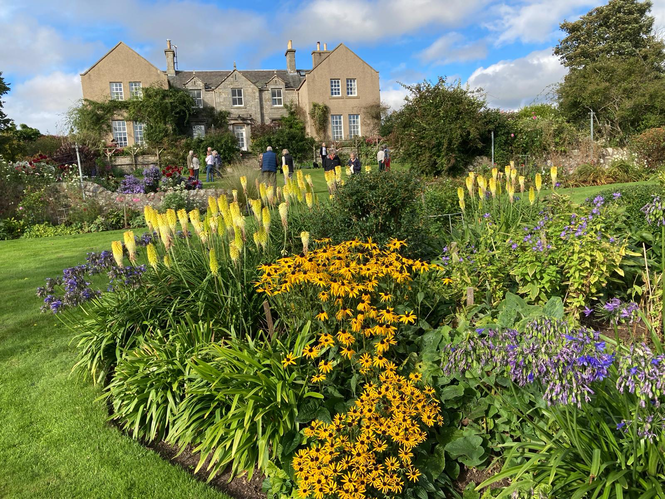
[268, 162]
[213, 163]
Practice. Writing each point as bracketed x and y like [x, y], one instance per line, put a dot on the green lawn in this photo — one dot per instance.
[579, 194]
[54, 438]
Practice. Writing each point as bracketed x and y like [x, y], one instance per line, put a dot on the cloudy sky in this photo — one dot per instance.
[503, 47]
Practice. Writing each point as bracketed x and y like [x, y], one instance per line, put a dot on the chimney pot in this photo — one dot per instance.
[290, 45]
[318, 45]
[168, 44]
[325, 46]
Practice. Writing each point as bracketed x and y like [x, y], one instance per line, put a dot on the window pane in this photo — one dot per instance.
[135, 90]
[351, 87]
[239, 132]
[116, 91]
[236, 97]
[197, 95]
[354, 125]
[337, 127]
[138, 133]
[276, 94]
[335, 87]
[119, 133]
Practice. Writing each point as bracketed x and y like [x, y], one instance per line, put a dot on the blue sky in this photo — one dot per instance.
[503, 47]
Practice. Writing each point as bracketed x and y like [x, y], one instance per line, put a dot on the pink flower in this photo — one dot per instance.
[136, 200]
[512, 134]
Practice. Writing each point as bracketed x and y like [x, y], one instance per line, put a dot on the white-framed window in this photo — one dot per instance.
[354, 125]
[116, 91]
[119, 128]
[135, 90]
[197, 95]
[276, 95]
[236, 97]
[239, 132]
[138, 133]
[351, 87]
[335, 87]
[337, 126]
[198, 131]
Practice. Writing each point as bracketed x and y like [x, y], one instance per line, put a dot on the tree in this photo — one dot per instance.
[616, 69]
[4, 89]
[620, 29]
[90, 121]
[289, 133]
[441, 127]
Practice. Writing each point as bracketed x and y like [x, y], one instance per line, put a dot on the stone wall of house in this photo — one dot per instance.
[114, 200]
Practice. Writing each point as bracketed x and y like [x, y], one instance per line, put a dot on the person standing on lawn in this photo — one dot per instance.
[210, 164]
[331, 161]
[269, 167]
[190, 157]
[287, 162]
[323, 152]
[218, 162]
[196, 166]
[354, 164]
[380, 158]
[386, 158]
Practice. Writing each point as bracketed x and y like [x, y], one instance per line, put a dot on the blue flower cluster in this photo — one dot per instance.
[77, 289]
[131, 185]
[654, 211]
[565, 362]
[151, 177]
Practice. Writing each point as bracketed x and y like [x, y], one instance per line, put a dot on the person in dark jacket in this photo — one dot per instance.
[287, 161]
[331, 161]
[269, 167]
[354, 164]
[323, 152]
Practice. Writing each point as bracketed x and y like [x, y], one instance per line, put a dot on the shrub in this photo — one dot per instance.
[376, 205]
[48, 230]
[175, 200]
[650, 147]
[11, 228]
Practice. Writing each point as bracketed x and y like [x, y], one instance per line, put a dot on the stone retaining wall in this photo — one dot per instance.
[114, 200]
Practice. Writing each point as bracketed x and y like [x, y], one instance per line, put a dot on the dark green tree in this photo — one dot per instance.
[616, 69]
[620, 29]
[289, 133]
[441, 127]
[4, 89]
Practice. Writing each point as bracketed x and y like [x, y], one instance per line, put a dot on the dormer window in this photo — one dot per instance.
[197, 95]
[276, 95]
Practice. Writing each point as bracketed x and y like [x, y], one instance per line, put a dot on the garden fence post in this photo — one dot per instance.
[469, 296]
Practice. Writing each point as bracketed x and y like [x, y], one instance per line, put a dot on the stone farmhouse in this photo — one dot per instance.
[338, 78]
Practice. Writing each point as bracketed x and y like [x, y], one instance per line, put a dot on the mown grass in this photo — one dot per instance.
[55, 440]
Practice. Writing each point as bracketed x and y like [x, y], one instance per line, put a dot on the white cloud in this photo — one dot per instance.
[42, 101]
[452, 47]
[372, 21]
[394, 97]
[28, 48]
[515, 83]
[533, 21]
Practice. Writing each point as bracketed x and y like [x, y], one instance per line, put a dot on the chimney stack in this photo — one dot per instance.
[319, 55]
[290, 58]
[170, 59]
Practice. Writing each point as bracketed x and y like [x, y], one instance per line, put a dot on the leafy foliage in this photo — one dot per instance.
[441, 128]
[289, 133]
[319, 113]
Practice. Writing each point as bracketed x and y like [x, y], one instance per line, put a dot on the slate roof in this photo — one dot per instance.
[212, 79]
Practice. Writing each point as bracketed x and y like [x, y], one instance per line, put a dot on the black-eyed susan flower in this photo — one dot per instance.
[325, 367]
[289, 360]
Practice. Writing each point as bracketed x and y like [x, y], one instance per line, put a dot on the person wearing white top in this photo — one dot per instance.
[380, 157]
